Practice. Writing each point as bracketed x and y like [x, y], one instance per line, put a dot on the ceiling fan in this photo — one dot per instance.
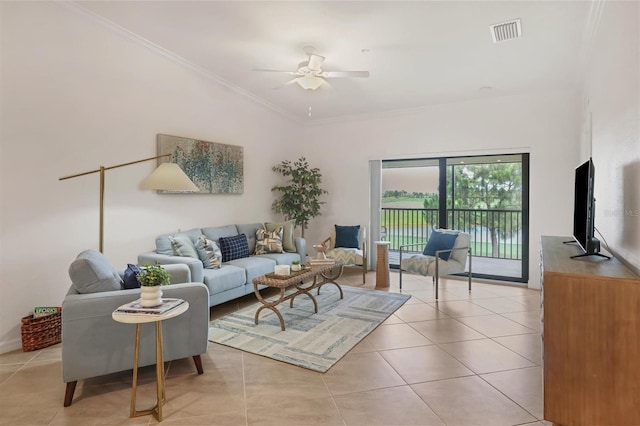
[310, 75]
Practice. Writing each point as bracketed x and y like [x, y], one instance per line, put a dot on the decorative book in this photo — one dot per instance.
[136, 308]
[43, 311]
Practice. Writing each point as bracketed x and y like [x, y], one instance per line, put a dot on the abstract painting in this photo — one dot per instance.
[215, 168]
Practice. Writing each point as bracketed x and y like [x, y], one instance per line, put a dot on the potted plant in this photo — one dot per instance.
[295, 266]
[300, 197]
[150, 279]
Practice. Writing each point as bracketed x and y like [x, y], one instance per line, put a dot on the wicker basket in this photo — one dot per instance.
[38, 333]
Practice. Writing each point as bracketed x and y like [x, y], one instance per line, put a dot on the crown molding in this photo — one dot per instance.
[112, 26]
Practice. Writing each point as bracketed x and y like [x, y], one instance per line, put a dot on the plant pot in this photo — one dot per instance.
[150, 296]
[296, 268]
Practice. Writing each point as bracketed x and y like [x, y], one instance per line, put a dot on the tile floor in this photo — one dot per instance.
[467, 359]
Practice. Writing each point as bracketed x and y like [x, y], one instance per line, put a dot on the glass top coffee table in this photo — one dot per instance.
[311, 277]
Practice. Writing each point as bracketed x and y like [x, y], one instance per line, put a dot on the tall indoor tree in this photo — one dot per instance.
[300, 197]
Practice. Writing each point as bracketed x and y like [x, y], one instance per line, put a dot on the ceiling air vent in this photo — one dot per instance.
[505, 31]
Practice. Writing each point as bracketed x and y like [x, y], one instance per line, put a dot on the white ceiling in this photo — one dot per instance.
[418, 53]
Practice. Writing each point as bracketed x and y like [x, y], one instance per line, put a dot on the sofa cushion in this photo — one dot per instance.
[208, 252]
[440, 241]
[163, 243]
[288, 228]
[131, 276]
[280, 258]
[183, 246]
[91, 272]
[347, 236]
[214, 233]
[235, 247]
[226, 278]
[250, 230]
[269, 241]
[254, 266]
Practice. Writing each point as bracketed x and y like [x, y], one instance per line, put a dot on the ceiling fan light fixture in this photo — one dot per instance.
[309, 82]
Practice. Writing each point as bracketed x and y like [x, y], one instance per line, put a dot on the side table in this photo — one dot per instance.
[142, 318]
[382, 265]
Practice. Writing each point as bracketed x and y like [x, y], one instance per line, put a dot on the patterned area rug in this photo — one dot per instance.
[313, 341]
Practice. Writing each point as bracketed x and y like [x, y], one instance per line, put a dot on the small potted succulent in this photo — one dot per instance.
[295, 266]
[150, 279]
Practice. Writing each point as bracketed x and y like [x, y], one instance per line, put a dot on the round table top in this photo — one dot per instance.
[141, 318]
[382, 242]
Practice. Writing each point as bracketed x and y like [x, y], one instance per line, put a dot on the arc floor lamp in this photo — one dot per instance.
[166, 177]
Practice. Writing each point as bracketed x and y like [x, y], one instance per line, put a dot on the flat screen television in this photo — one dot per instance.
[584, 211]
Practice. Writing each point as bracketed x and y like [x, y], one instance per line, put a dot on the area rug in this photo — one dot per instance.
[313, 341]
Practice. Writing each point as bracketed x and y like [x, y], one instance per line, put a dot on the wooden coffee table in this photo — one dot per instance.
[315, 277]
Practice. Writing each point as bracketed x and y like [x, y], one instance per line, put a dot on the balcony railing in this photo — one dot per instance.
[494, 233]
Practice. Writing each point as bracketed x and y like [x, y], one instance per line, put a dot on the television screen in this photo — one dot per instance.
[582, 208]
[584, 211]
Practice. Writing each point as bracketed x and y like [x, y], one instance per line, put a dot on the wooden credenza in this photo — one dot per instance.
[591, 338]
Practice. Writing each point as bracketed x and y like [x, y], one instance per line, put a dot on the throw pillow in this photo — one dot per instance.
[182, 246]
[91, 272]
[269, 241]
[131, 276]
[440, 241]
[235, 247]
[209, 253]
[288, 237]
[347, 236]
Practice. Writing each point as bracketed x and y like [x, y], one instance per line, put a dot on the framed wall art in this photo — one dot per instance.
[215, 168]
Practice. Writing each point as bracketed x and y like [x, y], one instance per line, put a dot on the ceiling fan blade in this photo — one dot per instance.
[315, 62]
[333, 74]
[280, 71]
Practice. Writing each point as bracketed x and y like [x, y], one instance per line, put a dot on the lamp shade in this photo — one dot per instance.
[169, 177]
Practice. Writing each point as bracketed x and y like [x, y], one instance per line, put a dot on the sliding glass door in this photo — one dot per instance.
[486, 196]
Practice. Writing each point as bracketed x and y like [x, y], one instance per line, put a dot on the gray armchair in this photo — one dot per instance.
[93, 344]
[445, 260]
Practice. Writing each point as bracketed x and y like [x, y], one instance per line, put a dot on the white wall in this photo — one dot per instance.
[76, 95]
[611, 101]
[545, 125]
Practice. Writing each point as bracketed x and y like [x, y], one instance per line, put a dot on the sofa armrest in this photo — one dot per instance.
[179, 273]
[301, 248]
[195, 265]
[93, 344]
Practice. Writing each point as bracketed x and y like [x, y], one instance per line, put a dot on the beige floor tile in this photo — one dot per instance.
[495, 325]
[460, 308]
[363, 346]
[40, 375]
[17, 357]
[373, 408]
[476, 293]
[238, 418]
[470, 401]
[425, 363]
[296, 412]
[396, 336]
[361, 372]
[485, 356]
[500, 305]
[393, 320]
[7, 370]
[527, 345]
[268, 384]
[530, 301]
[530, 319]
[446, 331]
[523, 386]
[419, 312]
[16, 410]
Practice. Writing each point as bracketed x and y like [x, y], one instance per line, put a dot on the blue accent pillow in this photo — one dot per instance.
[347, 236]
[131, 276]
[235, 247]
[440, 241]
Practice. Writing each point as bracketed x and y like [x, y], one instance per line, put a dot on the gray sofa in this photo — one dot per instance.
[93, 344]
[235, 277]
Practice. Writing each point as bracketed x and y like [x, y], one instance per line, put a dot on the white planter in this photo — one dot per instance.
[150, 296]
[296, 268]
